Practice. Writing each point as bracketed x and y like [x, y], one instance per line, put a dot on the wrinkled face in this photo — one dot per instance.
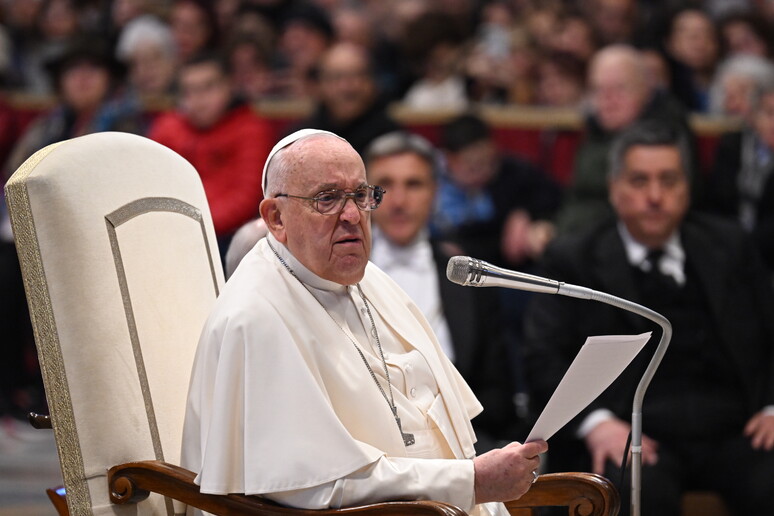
[693, 41]
[405, 210]
[651, 193]
[346, 86]
[205, 94]
[84, 85]
[472, 167]
[617, 95]
[335, 247]
[764, 120]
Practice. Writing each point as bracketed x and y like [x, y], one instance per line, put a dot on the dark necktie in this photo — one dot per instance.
[653, 258]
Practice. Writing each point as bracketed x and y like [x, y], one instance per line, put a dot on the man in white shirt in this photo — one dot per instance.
[466, 321]
[318, 383]
[709, 407]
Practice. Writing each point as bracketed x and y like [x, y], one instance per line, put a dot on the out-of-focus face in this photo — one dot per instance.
[335, 247]
[617, 90]
[764, 120]
[651, 193]
[737, 95]
[346, 86]
[190, 29]
[741, 39]
[151, 70]
[84, 86]
[472, 167]
[205, 94]
[406, 208]
[693, 41]
[556, 88]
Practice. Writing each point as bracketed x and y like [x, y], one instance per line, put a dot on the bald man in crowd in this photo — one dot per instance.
[620, 95]
[318, 382]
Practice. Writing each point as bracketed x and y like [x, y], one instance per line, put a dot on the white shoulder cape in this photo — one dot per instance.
[279, 398]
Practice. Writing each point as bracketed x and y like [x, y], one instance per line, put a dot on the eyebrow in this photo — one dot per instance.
[333, 186]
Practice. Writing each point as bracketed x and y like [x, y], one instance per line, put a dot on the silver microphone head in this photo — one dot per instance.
[464, 270]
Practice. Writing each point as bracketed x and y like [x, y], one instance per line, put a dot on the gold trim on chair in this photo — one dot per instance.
[46, 335]
[114, 220]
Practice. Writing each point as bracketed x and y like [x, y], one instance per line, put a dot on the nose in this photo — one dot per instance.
[350, 213]
[655, 191]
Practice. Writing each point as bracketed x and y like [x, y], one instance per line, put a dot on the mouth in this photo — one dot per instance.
[349, 240]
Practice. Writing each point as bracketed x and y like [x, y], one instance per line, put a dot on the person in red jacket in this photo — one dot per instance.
[222, 137]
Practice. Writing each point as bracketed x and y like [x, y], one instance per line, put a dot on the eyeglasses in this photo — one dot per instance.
[331, 202]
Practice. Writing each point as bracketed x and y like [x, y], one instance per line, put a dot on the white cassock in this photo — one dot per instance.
[282, 405]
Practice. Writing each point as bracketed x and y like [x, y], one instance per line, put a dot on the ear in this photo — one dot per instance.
[271, 214]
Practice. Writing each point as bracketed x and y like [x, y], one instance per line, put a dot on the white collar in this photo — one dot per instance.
[385, 253]
[304, 275]
[672, 262]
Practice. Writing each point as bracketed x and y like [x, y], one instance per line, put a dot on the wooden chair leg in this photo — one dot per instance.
[58, 497]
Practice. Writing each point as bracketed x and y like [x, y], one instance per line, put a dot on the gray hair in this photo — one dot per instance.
[759, 69]
[400, 142]
[146, 29]
[649, 134]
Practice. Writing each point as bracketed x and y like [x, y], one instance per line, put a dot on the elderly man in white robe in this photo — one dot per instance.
[318, 383]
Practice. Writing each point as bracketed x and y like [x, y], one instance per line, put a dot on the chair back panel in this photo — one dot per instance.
[121, 267]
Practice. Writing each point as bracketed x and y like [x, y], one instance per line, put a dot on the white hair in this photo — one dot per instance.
[144, 30]
[758, 69]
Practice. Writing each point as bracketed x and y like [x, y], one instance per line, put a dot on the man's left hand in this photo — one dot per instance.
[760, 430]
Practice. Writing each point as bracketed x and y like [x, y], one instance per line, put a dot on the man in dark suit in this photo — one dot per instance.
[465, 320]
[707, 417]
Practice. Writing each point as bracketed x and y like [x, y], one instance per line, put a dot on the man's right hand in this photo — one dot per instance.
[607, 441]
[506, 473]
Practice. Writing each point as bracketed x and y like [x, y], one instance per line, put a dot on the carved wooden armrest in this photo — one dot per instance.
[39, 421]
[585, 494]
[134, 481]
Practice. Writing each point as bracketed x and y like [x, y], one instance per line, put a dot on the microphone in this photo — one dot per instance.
[471, 272]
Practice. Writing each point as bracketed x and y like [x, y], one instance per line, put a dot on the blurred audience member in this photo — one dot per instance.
[575, 35]
[561, 80]
[619, 96]
[306, 34]
[87, 79]
[194, 28]
[736, 83]
[710, 406]
[249, 61]
[124, 11]
[745, 33]
[693, 43]
[348, 101]
[465, 320]
[436, 48]
[613, 21]
[222, 138]
[494, 206]
[741, 184]
[146, 46]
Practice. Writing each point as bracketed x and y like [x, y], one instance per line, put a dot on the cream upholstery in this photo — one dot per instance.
[121, 267]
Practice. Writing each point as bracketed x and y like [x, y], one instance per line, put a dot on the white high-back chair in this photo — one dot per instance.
[121, 268]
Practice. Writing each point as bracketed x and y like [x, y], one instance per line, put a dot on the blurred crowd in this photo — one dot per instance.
[188, 74]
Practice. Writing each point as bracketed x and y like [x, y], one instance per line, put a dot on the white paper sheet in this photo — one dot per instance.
[598, 363]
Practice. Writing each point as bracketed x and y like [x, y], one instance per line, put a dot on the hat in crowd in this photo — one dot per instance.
[85, 48]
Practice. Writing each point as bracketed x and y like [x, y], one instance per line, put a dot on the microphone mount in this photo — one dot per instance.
[472, 272]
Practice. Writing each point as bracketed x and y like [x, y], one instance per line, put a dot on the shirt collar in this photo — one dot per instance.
[385, 253]
[636, 252]
[302, 273]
